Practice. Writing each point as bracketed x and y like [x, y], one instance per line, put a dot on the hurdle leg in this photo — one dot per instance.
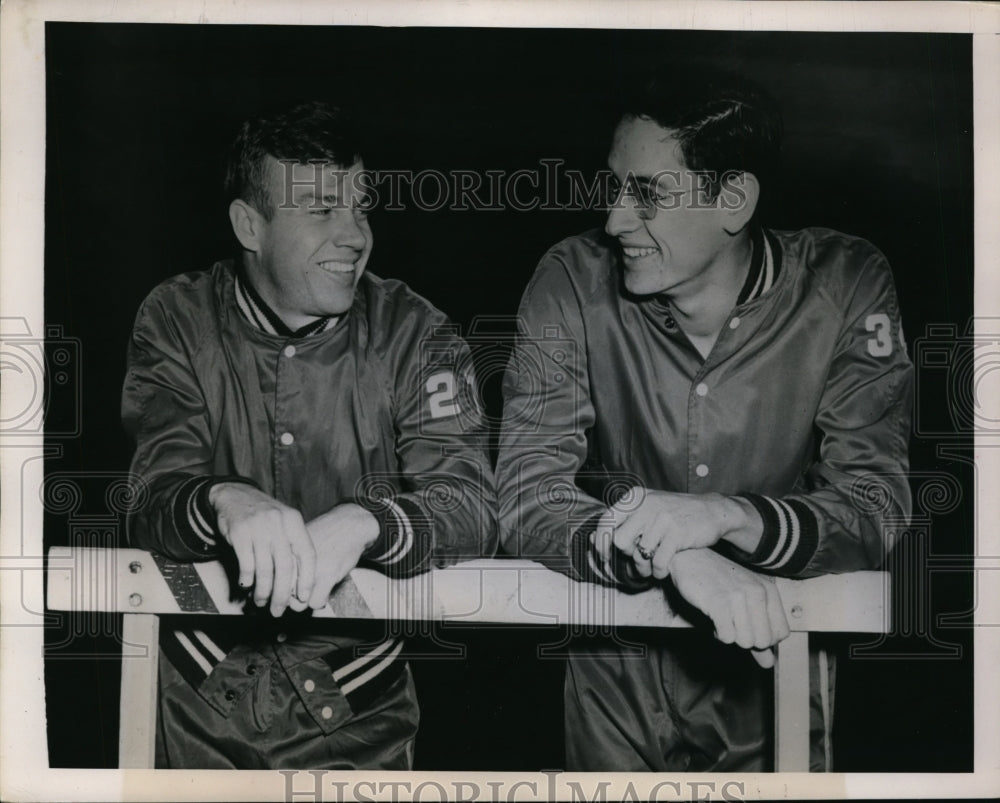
[791, 704]
[137, 733]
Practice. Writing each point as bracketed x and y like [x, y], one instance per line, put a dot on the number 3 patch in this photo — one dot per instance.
[881, 344]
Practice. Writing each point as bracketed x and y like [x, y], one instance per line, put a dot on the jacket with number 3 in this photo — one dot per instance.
[803, 405]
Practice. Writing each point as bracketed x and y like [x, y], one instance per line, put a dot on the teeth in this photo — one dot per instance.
[638, 252]
[342, 267]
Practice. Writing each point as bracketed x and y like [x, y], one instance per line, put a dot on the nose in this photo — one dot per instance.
[349, 231]
[623, 216]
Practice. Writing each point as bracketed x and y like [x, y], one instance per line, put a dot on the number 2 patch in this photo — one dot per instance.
[441, 387]
[881, 344]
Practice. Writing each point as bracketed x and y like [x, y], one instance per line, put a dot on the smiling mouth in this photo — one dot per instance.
[332, 266]
[636, 253]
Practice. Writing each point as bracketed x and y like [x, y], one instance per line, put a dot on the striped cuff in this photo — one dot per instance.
[790, 537]
[194, 516]
[403, 546]
[619, 571]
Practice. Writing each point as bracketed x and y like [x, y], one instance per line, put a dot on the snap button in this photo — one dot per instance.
[287, 438]
[230, 695]
[701, 470]
[289, 350]
[327, 712]
[251, 670]
[702, 389]
[309, 685]
[734, 322]
[282, 637]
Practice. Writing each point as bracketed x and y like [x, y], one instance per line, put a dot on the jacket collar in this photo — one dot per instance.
[261, 316]
[764, 268]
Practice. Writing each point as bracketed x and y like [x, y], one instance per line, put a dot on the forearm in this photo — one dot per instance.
[178, 519]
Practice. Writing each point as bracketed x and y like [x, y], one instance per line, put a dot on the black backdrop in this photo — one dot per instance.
[879, 144]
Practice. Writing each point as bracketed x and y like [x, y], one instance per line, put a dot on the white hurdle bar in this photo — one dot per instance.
[496, 591]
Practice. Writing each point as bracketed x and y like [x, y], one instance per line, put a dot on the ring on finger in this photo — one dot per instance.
[644, 553]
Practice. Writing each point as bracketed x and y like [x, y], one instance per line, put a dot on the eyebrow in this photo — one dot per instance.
[330, 198]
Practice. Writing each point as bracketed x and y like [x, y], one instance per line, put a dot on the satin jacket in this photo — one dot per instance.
[379, 408]
[803, 405]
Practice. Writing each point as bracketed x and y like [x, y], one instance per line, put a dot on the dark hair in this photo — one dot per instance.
[722, 122]
[307, 132]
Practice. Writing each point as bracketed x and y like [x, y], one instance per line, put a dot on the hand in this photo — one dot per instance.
[340, 537]
[273, 549]
[744, 607]
[663, 523]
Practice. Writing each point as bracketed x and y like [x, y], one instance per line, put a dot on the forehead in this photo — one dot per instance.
[296, 181]
[643, 148]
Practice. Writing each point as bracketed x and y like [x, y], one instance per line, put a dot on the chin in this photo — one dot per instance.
[339, 305]
[645, 285]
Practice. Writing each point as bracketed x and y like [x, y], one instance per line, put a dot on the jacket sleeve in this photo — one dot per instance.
[441, 509]
[164, 411]
[545, 513]
[853, 501]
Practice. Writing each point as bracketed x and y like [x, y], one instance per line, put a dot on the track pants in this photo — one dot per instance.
[681, 703]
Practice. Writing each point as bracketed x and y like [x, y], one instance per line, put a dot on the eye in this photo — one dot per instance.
[362, 207]
[613, 190]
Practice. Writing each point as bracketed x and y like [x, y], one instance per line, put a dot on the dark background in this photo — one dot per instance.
[879, 144]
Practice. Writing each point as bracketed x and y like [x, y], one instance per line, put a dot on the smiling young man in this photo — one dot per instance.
[748, 386]
[298, 416]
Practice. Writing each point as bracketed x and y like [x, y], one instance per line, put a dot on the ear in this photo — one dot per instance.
[247, 224]
[738, 198]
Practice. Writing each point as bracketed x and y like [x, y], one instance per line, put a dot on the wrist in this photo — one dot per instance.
[346, 520]
[217, 490]
[368, 528]
[220, 487]
[739, 523]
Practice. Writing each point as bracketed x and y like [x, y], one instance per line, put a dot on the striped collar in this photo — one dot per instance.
[764, 268]
[261, 316]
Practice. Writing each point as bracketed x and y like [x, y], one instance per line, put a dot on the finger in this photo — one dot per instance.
[722, 618]
[244, 558]
[336, 570]
[263, 572]
[764, 657]
[601, 540]
[321, 591]
[326, 578]
[628, 532]
[282, 588]
[760, 620]
[741, 621]
[776, 617]
[662, 558]
[305, 562]
[776, 613]
[298, 605]
[642, 565]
